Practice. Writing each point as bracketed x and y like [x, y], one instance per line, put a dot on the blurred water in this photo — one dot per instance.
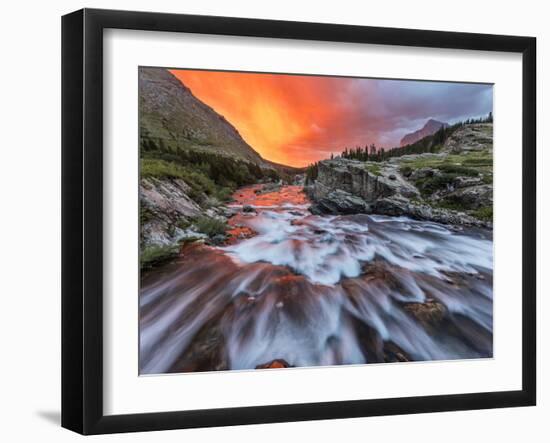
[318, 290]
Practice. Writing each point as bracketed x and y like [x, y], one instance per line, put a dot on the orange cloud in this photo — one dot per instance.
[278, 115]
[299, 119]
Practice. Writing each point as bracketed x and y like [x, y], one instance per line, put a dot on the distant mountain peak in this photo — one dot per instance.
[429, 128]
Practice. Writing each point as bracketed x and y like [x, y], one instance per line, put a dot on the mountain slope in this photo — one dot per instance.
[431, 127]
[172, 117]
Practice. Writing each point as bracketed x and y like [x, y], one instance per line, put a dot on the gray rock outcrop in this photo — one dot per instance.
[399, 206]
[354, 178]
[428, 186]
[164, 204]
[475, 137]
[472, 196]
[340, 202]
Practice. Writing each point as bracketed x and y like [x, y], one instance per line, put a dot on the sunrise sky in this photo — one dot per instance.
[297, 120]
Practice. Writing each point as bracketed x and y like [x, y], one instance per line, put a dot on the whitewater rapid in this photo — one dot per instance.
[319, 290]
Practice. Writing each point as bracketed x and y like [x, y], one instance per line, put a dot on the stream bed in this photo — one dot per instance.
[292, 289]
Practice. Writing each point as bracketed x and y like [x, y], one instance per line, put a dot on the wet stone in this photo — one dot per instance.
[274, 364]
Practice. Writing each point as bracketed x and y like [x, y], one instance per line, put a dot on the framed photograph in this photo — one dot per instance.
[269, 221]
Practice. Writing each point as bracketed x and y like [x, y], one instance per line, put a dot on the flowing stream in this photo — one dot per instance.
[318, 290]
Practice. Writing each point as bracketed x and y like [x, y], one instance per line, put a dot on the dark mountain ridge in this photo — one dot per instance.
[172, 117]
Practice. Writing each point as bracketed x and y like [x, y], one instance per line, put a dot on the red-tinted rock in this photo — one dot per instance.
[274, 364]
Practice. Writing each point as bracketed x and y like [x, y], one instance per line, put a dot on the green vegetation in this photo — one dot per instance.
[441, 169]
[453, 205]
[224, 193]
[153, 255]
[312, 172]
[184, 223]
[431, 144]
[210, 226]
[458, 170]
[373, 169]
[470, 164]
[484, 213]
[478, 160]
[145, 215]
[487, 178]
[428, 185]
[208, 174]
[222, 169]
[449, 168]
[199, 183]
[406, 171]
[284, 172]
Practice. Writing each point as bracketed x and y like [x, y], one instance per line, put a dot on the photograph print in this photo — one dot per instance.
[294, 221]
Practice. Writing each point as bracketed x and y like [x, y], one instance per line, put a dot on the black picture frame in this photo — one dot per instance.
[82, 218]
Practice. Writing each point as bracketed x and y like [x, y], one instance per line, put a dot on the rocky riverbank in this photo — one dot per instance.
[170, 217]
[452, 186]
